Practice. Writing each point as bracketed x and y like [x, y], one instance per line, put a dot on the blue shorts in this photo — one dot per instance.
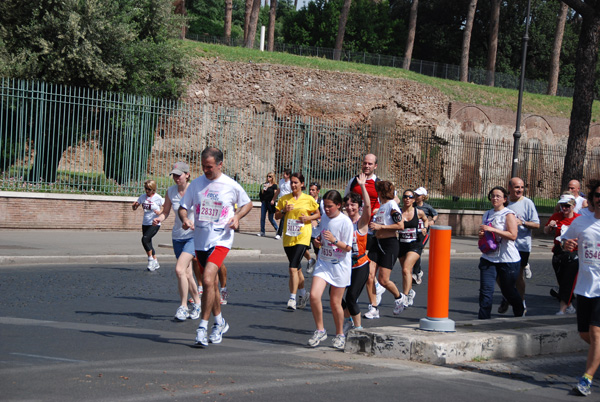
[184, 245]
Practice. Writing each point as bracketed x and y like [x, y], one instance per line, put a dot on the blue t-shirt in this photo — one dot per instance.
[524, 210]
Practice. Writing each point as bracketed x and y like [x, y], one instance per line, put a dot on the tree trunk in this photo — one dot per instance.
[410, 40]
[493, 42]
[253, 24]
[247, 15]
[179, 6]
[555, 60]
[583, 95]
[271, 35]
[339, 41]
[466, 45]
[228, 17]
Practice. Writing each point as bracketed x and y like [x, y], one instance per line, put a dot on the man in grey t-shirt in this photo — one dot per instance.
[527, 219]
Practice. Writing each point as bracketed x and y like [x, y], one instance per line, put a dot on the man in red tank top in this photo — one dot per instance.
[368, 168]
[374, 290]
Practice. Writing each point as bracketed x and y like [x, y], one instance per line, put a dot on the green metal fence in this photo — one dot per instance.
[63, 139]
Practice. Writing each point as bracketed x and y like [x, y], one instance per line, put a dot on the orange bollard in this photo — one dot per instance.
[438, 288]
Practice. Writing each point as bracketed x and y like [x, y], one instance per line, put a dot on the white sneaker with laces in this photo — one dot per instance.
[527, 271]
[400, 304]
[317, 337]
[156, 265]
[372, 313]
[182, 313]
[301, 303]
[291, 304]
[310, 268]
[277, 237]
[570, 309]
[216, 335]
[410, 297]
[260, 234]
[339, 342]
[201, 336]
[195, 314]
[417, 278]
[150, 266]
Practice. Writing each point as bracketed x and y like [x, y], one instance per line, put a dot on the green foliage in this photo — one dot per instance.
[89, 43]
[207, 17]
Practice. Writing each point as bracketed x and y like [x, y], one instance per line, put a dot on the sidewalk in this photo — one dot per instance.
[502, 338]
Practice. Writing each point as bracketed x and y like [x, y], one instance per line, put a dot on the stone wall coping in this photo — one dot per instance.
[112, 198]
[77, 197]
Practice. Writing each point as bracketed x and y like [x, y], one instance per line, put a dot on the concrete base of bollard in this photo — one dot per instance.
[437, 324]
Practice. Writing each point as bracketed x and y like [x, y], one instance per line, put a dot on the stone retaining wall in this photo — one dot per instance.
[71, 211]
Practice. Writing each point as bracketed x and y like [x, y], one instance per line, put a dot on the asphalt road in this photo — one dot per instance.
[106, 332]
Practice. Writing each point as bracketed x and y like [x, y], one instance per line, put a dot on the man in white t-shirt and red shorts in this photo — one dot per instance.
[213, 198]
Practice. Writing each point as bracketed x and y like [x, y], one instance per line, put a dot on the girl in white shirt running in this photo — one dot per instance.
[334, 266]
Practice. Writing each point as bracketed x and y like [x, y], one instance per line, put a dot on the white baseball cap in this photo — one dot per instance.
[421, 191]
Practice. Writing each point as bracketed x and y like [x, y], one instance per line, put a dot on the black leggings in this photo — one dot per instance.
[566, 266]
[148, 233]
[357, 284]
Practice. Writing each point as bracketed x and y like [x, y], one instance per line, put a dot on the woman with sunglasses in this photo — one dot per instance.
[565, 263]
[267, 201]
[152, 204]
[183, 244]
[386, 222]
[411, 243]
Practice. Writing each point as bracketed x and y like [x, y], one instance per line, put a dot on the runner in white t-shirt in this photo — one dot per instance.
[152, 204]
[213, 197]
[334, 265]
[284, 188]
[584, 233]
[183, 243]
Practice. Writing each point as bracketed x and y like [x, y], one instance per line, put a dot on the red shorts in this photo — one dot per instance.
[216, 255]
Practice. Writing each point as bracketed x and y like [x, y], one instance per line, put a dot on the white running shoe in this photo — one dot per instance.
[417, 278]
[527, 271]
[150, 266]
[260, 234]
[291, 305]
[339, 342]
[379, 290]
[224, 296]
[277, 237]
[348, 325]
[201, 337]
[317, 337]
[195, 314]
[302, 300]
[216, 335]
[400, 304]
[410, 298]
[311, 266]
[182, 313]
[570, 309]
[372, 313]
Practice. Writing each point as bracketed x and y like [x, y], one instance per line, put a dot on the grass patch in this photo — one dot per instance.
[456, 91]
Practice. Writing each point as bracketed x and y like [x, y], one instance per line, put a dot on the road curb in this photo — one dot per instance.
[502, 338]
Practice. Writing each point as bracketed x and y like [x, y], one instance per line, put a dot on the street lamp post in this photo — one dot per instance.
[517, 134]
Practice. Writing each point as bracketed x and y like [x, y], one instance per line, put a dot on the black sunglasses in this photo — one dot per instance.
[408, 196]
[147, 188]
